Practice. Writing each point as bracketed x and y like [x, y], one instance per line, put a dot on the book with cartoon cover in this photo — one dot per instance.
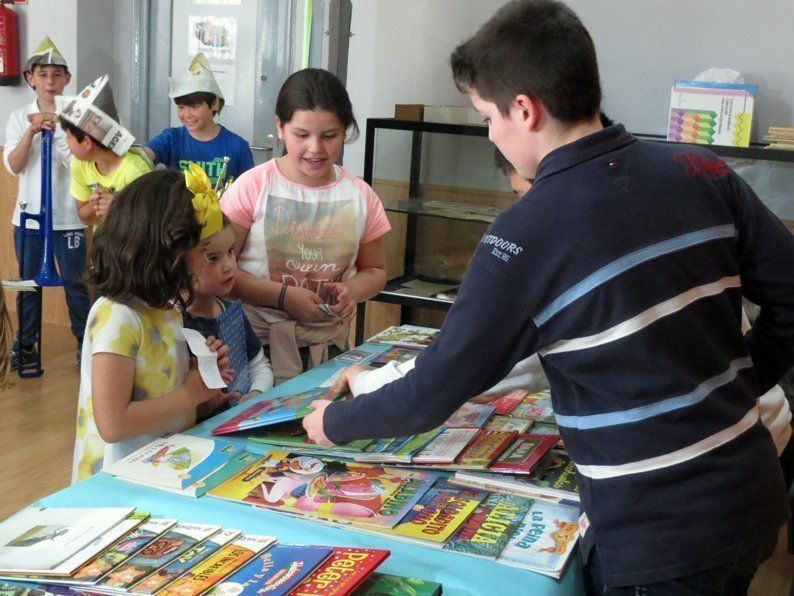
[544, 540]
[385, 584]
[176, 461]
[275, 572]
[410, 336]
[470, 415]
[396, 354]
[342, 572]
[488, 530]
[275, 410]
[535, 406]
[329, 489]
[292, 436]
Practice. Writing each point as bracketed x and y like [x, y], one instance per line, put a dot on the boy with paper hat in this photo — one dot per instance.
[47, 73]
[104, 163]
[200, 140]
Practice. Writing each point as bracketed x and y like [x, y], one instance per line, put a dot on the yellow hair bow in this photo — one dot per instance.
[205, 200]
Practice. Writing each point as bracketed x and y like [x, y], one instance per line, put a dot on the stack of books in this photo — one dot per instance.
[117, 551]
[780, 137]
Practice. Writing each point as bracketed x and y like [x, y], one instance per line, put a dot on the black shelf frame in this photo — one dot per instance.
[418, 129]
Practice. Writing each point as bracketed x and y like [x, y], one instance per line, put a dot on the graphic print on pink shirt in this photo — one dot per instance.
[310, 243]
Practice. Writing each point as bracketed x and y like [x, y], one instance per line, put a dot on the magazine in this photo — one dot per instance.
[410, 336]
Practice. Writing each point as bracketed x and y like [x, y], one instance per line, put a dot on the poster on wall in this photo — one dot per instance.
[215, 36]
[224, 74]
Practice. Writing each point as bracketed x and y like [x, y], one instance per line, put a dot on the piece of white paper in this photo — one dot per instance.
[207, 359]
[224, 75]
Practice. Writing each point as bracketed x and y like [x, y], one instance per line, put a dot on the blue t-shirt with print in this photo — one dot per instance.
[174, 147]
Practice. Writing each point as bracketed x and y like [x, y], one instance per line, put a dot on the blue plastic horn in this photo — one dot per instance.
[48, 273]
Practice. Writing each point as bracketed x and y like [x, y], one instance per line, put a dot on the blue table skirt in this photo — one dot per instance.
[459, 574]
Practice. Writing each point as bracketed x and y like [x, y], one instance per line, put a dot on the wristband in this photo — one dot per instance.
[282, 295]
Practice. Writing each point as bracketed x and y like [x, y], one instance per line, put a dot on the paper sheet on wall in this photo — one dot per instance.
[215, 36]
[225, 75]
[207, 359]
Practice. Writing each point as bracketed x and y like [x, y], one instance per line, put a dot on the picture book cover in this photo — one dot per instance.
[485, 447]
[524, 453]
[342, 572]
[274, 410]
[166, 548]
[556, 473]
[446, 447]
[40, 538]
[218, 566]
[440, 511]
[535, 406]
[519, 425]
[121, 550]
[488, 530]
[397, 450]
[506, 403]
[396, 354]
[184, 563]
[292, 436]
[175, 461]
[408, 336]
[544, 539]
[385, 584]
[275, 572]
[306, 485]
[84, 555]
[470, 415]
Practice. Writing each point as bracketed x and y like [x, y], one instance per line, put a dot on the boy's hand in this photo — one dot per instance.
[301, 304]
[349, 374]
[42, 121]
[345, 302]
[101, 201]
[313, 423]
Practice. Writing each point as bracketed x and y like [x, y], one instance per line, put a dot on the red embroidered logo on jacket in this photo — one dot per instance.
[697, 164]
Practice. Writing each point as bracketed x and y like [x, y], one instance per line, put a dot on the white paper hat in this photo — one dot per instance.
[94, 112]
[45, 53]
[198, 77]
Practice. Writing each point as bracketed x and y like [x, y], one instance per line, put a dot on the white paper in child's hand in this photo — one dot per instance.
[207, 359]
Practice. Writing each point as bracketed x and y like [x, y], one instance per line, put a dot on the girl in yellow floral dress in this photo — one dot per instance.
[135, 382]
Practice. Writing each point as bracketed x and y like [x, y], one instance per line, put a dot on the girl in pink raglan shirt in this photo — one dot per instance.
[308, 232]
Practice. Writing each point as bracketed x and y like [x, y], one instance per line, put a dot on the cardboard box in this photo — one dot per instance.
[409, 111]
[446, 114]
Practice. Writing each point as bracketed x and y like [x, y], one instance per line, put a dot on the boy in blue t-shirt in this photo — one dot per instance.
[201, 140]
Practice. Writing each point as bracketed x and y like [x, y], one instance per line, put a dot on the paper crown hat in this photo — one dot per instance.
[45, 53]
[94, 112]
[198, 77]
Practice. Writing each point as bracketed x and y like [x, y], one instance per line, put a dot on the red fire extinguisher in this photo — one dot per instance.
[9, 46]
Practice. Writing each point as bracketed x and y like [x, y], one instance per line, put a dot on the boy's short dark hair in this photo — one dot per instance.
[192, 99]
[534, 47]
[65, 68]
[79, 133]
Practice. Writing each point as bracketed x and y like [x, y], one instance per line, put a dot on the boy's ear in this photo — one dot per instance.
[529, 110]
[216, 105]
[68, 77]
[29, 79]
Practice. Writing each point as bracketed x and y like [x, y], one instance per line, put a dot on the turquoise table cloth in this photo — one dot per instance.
[459, 574]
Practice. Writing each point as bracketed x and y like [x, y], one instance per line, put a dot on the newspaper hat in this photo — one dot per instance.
[198, 77]
[45, 53]
[94, 112]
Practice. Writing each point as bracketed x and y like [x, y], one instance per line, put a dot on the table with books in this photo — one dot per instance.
[468, 540]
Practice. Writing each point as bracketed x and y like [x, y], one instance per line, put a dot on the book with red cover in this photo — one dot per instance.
[524, 453]
[505, 404]
[342, 572]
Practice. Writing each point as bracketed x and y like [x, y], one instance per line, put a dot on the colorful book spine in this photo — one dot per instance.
[342, 572]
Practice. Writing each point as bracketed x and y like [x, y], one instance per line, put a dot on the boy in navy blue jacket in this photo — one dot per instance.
[623, 268]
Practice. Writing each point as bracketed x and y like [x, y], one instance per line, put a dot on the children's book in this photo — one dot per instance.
[507, 423]
[524, 454]
[98, 545]
[384, 584]
[544, 540]
[397, 450]
[445, 447]
[485, 447]
[488, 530]
[20, 590]
[176, 461]
[342, 572]
[179, 539]
[329, 489]
[293, 436]
[440, 511]
[275, 572]
[218, 566]
[275, 410]
[354, 356]
[396, 354]
[121, 550]
[40, 538]
[184, 563]
[231, 330]
[470, 415]
[535, 406]
[409, 336]
[506, 403]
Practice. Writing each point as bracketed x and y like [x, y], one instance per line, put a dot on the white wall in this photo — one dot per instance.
[400, 50]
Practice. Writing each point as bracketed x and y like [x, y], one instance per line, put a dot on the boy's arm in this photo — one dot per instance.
[19, 138]
[81, 192]
[159, 147]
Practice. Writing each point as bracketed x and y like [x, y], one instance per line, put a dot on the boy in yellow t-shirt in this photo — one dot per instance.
[103, 163]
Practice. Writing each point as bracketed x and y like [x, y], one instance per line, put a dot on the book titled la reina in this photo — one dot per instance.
[342, 572]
